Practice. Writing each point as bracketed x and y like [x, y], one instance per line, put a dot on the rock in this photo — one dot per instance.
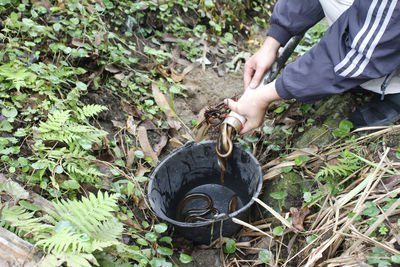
[291, 183]
[329, 113]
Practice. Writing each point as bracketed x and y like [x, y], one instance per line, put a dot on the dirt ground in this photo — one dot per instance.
[206, 88]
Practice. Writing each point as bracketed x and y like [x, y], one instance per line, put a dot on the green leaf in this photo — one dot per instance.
[185, 258]
[268, 129]
[251, 139]
[310, 238]
[57, 27]
[230, 246]
[166, 239]
[152, 237]
[165, 251]
[163, 7]
[70, 184]
[278, 231]
[59, 169]
[142, 241]
[160, 228]
[28, 205]
[264, 255]
[280, 109]
[395, 258]
[300, 159]
[145, 224]
[345, 125]
[81, 86]
[139, 154]
[9, 113]
[278, 195]
[209, 3]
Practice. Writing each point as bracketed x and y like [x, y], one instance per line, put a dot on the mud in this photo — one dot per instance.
[206, 88]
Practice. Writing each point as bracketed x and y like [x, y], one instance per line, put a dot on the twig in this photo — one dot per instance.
[237, 221]
[276, 214]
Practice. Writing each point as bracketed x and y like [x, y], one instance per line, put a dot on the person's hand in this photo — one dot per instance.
[253, 105]
[260, 62]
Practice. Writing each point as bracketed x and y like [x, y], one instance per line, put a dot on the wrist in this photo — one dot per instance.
[268, 93]
[271, 44]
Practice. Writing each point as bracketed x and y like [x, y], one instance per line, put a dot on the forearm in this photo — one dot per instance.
[343, 58]
[292, 17]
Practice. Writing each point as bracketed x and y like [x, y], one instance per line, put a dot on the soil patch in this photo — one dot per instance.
[206, 88]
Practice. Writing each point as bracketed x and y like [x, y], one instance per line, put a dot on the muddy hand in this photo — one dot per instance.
[253, 105]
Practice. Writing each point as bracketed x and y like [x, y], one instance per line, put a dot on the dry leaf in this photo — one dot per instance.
[119, 76]
[128, 221]
[130, 157]
[145, 144]
[161, 144]
[131, 126]
[187, 136]
[169, 38]
[106, 36]
[97, 39]
[46, 4]
[173, 123]
[298, 217]
[304, 151]
[176, 76]
[162, 101]
[175, 142]
[112, 68]
[130, 109]
[389, 183]
[141, 170]
[202, 132]
[164, 71]
[275, 171]
[118, 124]
[77, 42]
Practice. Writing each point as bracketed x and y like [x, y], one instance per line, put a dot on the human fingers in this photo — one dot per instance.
[231, 104]
[248, 126]
[248, 75]
[255, 81]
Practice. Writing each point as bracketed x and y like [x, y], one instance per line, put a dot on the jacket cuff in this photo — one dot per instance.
[281, 90]
[279, 33]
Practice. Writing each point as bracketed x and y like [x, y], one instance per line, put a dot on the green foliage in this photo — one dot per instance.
[348, 163]
[264, 256]
[278, 231]
[60, 127]
[74, 230]
[230, 246]
[344, 128]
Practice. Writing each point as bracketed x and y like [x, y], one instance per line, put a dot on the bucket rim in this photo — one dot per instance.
[211, 221]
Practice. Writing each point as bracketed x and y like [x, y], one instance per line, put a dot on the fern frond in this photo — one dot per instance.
[89, 214]
[348, 164]
[109, 230]
[24, 222]
[14, 189]
[55, 121]
[66, 240]
[91, 110]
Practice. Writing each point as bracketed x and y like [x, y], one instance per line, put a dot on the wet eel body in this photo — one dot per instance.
[197, 214]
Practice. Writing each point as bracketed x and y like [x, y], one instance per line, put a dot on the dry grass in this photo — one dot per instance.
[341, 240]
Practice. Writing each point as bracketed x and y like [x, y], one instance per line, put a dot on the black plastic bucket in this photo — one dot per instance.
[194, 168]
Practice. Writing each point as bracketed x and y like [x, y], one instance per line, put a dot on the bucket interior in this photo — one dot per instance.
[194, 169]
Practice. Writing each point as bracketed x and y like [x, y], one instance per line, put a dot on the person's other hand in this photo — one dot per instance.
[253, 105]
[260, 62]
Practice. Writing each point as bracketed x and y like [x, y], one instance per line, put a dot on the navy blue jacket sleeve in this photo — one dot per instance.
[292, 17]
[362, 44]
